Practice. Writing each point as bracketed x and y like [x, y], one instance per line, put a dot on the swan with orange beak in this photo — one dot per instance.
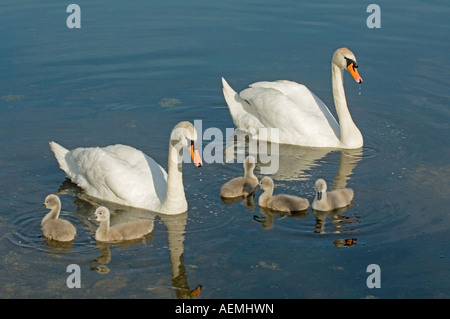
[125, 175]
[300, 116]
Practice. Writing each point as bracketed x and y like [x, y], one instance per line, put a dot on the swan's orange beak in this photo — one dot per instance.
[196, 291]
[195, 156]
[354, 72]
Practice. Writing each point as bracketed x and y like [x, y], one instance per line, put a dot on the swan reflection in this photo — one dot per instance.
[175, 226]
[296, 163]
[335, 218]
[249, 201]
[269, 216]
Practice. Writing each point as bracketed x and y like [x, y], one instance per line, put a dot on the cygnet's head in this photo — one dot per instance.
[266, 183]
[321, 187]
[101, 214]
[52, 201]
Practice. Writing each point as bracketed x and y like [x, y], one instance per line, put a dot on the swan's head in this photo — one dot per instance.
[266, 183]
[101, 214]
[52, 201]
[321, 187]
[185, 134]
[345, 59]
[249, 164]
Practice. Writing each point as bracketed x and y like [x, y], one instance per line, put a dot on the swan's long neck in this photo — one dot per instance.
[248, 173]
[350, 135]
[175, 197]
[52, 214]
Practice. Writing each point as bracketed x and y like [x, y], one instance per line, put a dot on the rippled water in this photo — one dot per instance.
[134, 70]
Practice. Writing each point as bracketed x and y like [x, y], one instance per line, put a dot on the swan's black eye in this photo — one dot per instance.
[193, 144]
[350, 61]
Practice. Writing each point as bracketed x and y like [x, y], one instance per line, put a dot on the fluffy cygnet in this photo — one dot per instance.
[52, 227]
[325, 201]
[125, 231]
[281, 202]
[241, 186]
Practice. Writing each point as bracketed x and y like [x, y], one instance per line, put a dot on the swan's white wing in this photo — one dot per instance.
[119, 173]
[243, 114]
[152, 177]
[299, 114]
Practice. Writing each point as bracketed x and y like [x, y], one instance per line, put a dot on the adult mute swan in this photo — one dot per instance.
[54, 228]
[125, 175]
[301, 117]
[125, 231]
[326, 201]
[243, 185]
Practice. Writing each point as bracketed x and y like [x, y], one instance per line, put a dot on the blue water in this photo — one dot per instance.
[134, 70]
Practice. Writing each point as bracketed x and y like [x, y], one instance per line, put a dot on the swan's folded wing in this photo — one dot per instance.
[292, 108]
[77, 162]
[153, 178]
[118, 173]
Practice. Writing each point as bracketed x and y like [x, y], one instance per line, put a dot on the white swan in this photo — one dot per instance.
[125, 175]
[281, 202]
[301, 117]
[326, 201]
[243, 185]
[54, 228]
[125, 231]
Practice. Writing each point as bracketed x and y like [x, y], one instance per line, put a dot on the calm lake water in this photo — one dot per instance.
[135, 69]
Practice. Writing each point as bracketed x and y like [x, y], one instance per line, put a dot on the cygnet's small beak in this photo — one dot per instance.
[319, 195]
[92, 217]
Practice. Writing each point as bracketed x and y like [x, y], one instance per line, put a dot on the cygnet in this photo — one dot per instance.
[326, 201]
[125, 231]
[54, 228]
[281, 202]
[244, 185]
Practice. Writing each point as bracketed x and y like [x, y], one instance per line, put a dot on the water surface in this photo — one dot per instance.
[135, 70]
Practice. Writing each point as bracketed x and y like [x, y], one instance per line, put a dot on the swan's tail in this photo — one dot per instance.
[237, 106]
[60, 154]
